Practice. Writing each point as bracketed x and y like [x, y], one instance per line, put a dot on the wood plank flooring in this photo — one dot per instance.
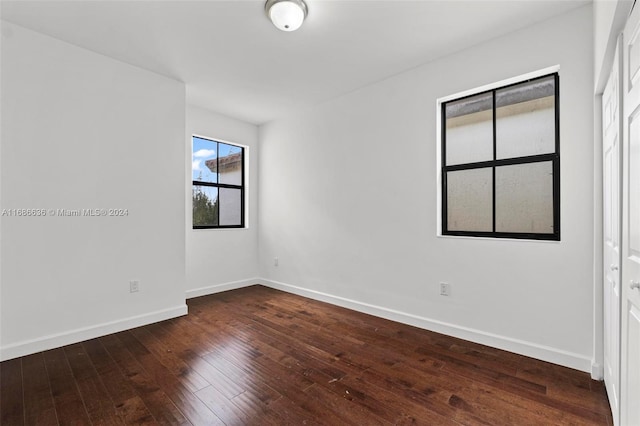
[257, 356]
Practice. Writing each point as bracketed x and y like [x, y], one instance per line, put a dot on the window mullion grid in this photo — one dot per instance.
[504, 162]
[493, 169]
[444, 200]
[556, 196]
[556, 161]
[494, 163]
[219, 185]
[218, 180]
[242, 212]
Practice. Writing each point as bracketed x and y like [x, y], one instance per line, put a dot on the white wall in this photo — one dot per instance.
[609, 17]
[222, 259]
[348, 205]
[83, 131]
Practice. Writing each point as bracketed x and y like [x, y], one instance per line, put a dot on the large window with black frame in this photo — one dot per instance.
[501, 162]
[218, 184]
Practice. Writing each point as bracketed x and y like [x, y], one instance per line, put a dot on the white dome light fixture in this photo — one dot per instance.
[286, 15]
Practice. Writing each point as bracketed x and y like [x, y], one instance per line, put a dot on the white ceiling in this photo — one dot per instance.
[235, 62]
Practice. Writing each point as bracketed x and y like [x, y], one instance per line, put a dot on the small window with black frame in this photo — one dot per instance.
[218, 184]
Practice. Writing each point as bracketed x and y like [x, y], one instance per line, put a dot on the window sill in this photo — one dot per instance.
[220, 229]
[527, 240]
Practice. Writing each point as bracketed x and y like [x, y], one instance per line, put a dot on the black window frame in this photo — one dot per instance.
[553, 157]
[241, 187]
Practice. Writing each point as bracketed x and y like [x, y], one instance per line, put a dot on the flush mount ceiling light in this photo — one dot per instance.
[286, 15]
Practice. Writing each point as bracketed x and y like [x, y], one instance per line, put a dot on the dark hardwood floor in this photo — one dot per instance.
[257, 356]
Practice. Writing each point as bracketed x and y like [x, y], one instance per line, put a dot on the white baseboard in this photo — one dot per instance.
[533, 350]
[597, 371]
[52, 341]
[545, 353]
[218, 288]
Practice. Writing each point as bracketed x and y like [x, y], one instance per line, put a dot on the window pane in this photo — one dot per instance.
[469, 130]
[205, 206]
[525, 119]
[230, 164]
[203, 160]
[469, 200]
[230, 206]
[524, 198]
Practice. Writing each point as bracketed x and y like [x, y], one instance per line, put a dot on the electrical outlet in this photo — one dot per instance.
[275, 261]
[134, 286]
[445, 289]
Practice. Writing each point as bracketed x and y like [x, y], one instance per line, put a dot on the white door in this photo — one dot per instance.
[611, 227]
[630, 283]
